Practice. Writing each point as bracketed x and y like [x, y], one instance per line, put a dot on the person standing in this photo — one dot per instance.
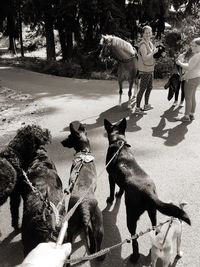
[146, 64]
[192, 80]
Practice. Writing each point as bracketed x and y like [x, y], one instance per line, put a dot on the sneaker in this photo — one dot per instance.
[148, 107]
[184, 119]
[192, 117]
[181, 104]
[139, 111]
[175, 104]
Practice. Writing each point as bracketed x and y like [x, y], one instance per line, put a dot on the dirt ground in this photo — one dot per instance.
[16, 110]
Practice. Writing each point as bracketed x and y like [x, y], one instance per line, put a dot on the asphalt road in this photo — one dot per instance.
[167, 150]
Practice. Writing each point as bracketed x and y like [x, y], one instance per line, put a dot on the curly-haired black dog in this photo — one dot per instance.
[43, 202]
[83, 177]
[15, 158]
[139, 188]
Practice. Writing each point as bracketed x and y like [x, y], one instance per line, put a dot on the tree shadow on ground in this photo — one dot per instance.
[11, 252]
[172, 136]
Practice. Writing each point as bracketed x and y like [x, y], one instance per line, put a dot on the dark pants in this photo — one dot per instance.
[146, 84]
[182, 92]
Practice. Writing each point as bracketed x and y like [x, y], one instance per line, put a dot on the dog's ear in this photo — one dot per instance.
[72, 130]
[122, 126]
[107, 125]
[81, 128]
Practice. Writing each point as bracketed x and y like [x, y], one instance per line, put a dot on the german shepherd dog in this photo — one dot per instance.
[43, 202]
[82, 179]
[140, 190]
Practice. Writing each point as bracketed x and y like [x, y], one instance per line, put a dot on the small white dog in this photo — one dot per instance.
[163, 240]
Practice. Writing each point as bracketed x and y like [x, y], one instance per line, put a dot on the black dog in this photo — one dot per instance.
[83, 179]
[175, 84]
[43, 202]
[140, 190]
[15, 157]
[160, 53]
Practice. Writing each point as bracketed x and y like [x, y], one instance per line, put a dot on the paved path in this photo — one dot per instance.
[167, 150]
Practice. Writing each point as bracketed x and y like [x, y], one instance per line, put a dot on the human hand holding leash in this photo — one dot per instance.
[47, 254]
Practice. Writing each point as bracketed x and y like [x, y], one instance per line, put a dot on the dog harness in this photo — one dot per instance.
[79, 159]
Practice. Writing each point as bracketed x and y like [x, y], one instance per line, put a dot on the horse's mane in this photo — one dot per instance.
[124, 45]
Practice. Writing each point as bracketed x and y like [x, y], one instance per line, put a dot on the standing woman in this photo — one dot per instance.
[192, 80]
[146, 64]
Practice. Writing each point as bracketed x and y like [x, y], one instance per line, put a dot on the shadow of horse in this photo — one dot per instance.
[114, 114]
[11, 252]
[172, 136]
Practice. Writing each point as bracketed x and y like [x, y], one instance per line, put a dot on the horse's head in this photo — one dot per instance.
[105, 43]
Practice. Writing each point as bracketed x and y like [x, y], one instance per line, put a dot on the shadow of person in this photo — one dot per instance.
[176, 134]
[111, 237]
[142, 262]
[11, 252]
[172, 136]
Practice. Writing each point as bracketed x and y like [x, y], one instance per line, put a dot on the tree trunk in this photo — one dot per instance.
[12, 45]
[69, 37]
[50, 43]
[61, 32]
[20, 28]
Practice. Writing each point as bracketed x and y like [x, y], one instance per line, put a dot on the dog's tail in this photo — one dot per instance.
[170, 209]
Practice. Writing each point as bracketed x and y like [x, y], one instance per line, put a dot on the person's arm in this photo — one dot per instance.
[145, 55]
[47, 255]
[185, 66]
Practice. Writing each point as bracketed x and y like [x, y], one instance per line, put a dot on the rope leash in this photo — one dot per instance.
[107, 250]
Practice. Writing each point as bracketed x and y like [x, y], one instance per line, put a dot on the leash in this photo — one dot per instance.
[169, 226]
[46, 202]
[73, 209]
[109, 249]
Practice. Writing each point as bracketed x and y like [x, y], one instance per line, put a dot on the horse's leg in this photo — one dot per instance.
[130, 93]
[120, 82]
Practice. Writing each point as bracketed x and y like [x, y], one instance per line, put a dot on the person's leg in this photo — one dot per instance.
[149, 87]
[188, 98]
[188, 102]
[143, 86]
[194, 84]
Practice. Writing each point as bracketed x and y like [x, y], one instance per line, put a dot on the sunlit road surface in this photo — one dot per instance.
[167, 150]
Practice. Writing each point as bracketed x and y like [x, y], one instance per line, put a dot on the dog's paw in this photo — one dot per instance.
[101, 258]
[109, 200]
[134, 257]
[180, 254]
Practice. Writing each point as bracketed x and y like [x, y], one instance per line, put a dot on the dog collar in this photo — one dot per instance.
[84, 157]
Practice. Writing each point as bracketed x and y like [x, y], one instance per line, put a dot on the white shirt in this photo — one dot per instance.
[193, 67]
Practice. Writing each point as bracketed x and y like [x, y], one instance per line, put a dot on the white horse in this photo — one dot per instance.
[126, 55]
